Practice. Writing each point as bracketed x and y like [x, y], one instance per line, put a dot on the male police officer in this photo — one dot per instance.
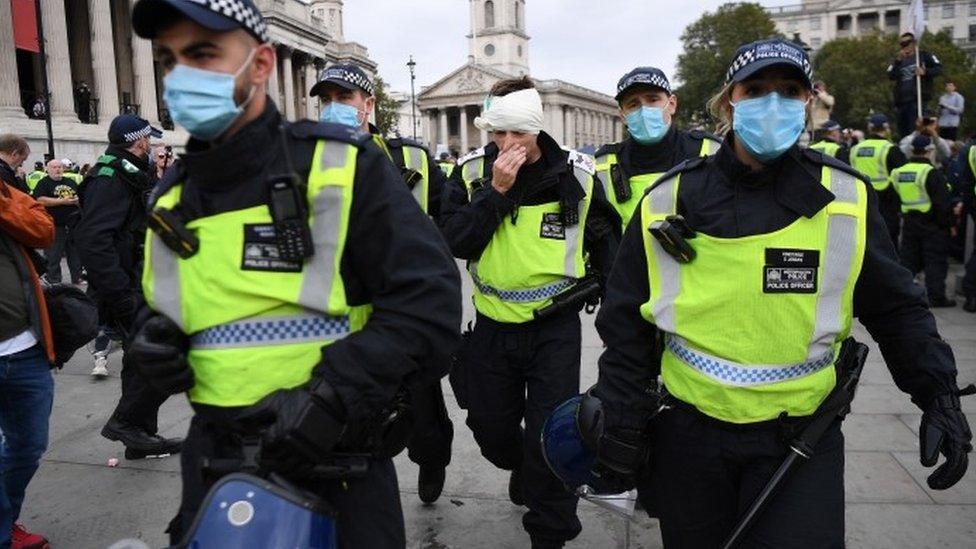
[35, 176]
[876, 157]
[109, 237]
[830, 143]
[967, 181]
[524, 213]
[346, 93]
[655, 145]
[297, 287]
[927, 211]
[446, 163]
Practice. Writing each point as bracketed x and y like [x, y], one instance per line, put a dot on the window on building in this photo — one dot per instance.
[518, 15]
[948, 30]
[490, 50]
[972, 33]
[972, 9]
[815, 23]
[892, 19]
[489, 14]
[948, 10]
[925, 12]
[844, 23]
[867, 22]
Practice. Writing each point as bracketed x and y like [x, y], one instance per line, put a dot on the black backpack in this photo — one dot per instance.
[74, 320]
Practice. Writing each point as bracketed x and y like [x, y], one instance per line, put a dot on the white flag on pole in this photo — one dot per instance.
[915, 22]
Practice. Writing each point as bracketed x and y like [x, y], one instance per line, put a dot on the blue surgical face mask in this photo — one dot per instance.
[769, 125]
[202, 101]
[340, 113]
[646, 125]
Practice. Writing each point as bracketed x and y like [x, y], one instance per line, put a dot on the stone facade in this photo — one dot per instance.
[91, 42]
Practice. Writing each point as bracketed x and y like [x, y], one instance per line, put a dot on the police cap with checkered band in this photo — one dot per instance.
[755, 56]
[151, 16]
[126, 128]
[642, 76]
[344, 75]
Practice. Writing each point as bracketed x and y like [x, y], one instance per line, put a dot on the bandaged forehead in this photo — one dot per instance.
[519, 111]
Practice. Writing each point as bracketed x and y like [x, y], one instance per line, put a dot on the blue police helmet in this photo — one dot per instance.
[567, 447]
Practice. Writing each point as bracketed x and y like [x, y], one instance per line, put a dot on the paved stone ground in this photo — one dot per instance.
[80, 503]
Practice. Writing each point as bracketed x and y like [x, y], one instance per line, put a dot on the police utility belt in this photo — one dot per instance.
[289, 212]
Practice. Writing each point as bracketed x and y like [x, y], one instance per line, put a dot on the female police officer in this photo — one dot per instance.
[788, 247]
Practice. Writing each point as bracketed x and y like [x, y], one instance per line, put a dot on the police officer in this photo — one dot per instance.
[524, 213]
[876, 157]
[346, 96]
[788, 247]
[654, 144]
[927, 210]
[829, 142]
[35, 176]
[301, 234]
[109, 237]
[967, 182]
[446, 164]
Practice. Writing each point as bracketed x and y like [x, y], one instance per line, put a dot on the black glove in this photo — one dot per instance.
[298, 426]
[945, 430]
[123, 308]
[158, 352]
[620, 458]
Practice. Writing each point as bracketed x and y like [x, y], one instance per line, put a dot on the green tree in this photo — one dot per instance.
[854, 70]
[387, 109]
[709, 45]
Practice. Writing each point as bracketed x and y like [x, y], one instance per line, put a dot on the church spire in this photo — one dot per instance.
[498, 37]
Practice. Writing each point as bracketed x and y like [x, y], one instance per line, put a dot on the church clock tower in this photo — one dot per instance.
[498, 38]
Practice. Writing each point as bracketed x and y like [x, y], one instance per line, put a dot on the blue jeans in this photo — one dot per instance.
[26, 397]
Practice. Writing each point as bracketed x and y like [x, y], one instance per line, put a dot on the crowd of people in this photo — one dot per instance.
[298, 283]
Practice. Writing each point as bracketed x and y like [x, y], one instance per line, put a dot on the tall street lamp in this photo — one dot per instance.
[413, 98]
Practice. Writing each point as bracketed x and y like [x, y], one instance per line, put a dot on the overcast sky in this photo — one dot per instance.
[586, 42]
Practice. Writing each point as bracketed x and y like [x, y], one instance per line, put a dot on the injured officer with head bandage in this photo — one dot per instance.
[539, 236]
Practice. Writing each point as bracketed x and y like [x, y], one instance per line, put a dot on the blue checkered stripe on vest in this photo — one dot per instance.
[271, 331]
[526, 295]
[734, 374]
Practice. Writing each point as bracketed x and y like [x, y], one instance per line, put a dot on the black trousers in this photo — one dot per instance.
[906, 116]
[63, 245]
[517, 372]
[969, 280]
[368, 507]
[890, 207]
[926, 247]
[433, 432]
[703, 475]
[140, 402]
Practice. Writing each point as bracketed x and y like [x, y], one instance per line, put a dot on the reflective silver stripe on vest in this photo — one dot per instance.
[731, 373]
[522, 295]
[573, 238]
[838, 261]
[414, 160]
[317, 278]
[166, 294]
[472, 169]
[663, 203]
[271, 331]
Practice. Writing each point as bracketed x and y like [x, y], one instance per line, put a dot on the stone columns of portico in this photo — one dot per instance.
[289, 77]
[145, 77]
[274, 84]
[311, 109]
[442, 137]
[58, 60]
[103, 59]
[463, 129]
[9, 88]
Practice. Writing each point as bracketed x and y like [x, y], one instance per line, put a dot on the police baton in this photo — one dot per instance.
[836, 405]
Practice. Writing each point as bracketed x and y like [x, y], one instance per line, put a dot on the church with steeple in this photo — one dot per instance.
[498, 48]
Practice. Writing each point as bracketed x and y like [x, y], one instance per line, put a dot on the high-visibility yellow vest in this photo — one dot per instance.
[34, 178]
[972, 164]
[829, 148]
[447, 168]
[638, 183]
[909, 182]
[77, 178]
[753, 325]
[257, 323]
[870, 157]
[414, 158]
[532, 257]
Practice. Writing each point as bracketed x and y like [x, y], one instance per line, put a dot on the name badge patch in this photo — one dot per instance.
[261, 251]
[552, 227]
[790, 271]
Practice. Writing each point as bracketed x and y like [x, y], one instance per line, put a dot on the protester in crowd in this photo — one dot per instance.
[59, 194]
[39, 110]
[951, 105]
[162, 156]
[823, 105]
[929, 126]
[906, 73]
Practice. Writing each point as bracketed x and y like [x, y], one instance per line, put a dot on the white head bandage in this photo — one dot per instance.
[519, 111]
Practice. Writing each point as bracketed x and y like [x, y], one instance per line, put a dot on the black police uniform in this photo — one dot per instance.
[967, 191]
[390, 247]
[925, 237]
[433, 433]
[888, 202]
[704, 473]
[502, 360]
[109, 236]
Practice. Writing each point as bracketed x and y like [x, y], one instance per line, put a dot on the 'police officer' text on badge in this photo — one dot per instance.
[790, 271]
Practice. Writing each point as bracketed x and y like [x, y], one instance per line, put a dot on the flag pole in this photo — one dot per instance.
[918, 81]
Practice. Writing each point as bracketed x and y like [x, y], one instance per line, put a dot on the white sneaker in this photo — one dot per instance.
[100, 369]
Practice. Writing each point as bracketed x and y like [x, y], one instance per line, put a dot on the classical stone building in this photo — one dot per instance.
[91, 42]
[575, 116]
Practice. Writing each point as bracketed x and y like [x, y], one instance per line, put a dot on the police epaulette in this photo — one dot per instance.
[686, 165]
[582, 161]
[825, 159]
[702, 135]
[405, 142]
[609, 148]
[309, 129]
[477, 153]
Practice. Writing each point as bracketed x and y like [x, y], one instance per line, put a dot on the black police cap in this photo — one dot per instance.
[126, 128]
[216, 15]
[755, 56]
[643, 76]
[344, 75]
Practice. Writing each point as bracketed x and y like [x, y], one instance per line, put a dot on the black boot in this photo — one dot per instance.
[941, 301]
[137, 439]
[430, 483]
[970, 305]
[166, 448]
[515, 487]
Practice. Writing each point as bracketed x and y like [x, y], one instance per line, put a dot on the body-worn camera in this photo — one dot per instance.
[672, 233]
